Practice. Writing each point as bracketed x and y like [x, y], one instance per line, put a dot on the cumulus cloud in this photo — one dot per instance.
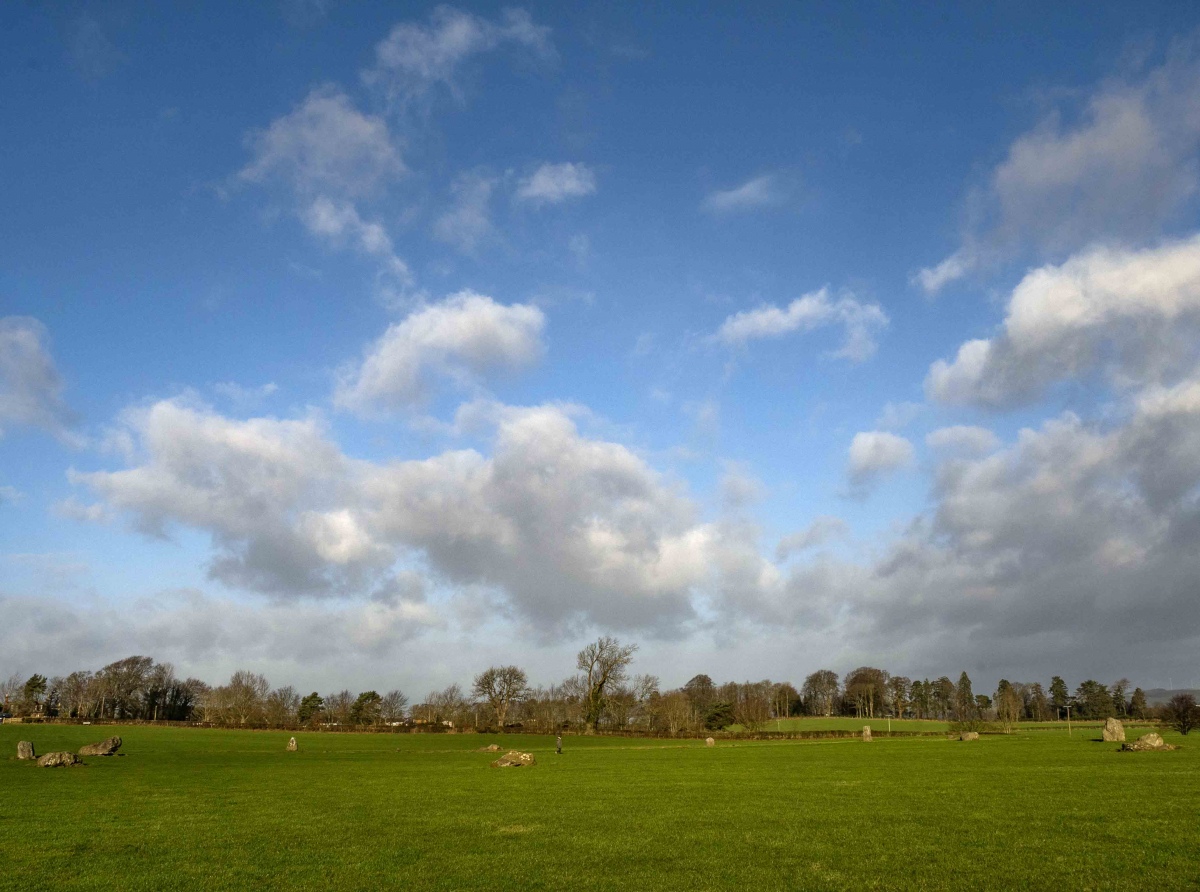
[862, 322]
[556, 183]
[463, 337]
[963, 438]
[1076, 533]
[415, 59]
[325, 146]
[759, 192]
[30, 385]
[1071, 529]
[876, 454]
[269, 492]
[1121, 170]
[566, 528]
[1133, 314]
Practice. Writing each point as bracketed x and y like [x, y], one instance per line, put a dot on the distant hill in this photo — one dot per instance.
[1159, 696]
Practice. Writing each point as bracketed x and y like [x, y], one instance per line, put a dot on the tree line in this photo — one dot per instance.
[602, 694]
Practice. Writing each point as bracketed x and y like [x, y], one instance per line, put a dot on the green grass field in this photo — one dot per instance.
[924, 726]
[191, 808]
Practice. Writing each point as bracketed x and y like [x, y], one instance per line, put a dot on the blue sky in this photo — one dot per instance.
[364, 345]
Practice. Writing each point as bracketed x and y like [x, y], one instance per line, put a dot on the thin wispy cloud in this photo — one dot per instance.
[1120, 170]
[556, 183]
[413, 60]
[759, 192]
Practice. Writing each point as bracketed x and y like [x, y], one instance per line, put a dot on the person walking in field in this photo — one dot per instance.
[558, 745]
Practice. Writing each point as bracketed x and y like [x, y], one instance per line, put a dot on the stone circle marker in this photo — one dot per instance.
[291, 747]
[58, 760]
[969, 735]
[866, 733]
[710, 742]
[105, 747]
[25, 750]
[1151, 742]
[490, 748]
[514, 759]
[1114, 731]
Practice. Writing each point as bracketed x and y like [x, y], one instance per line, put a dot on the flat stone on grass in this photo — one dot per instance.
[514, 759]
[58, 760]
[105, 747]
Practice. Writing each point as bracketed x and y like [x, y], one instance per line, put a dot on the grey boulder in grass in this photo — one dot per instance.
[1151, 742]
[514, 759]
[58, 760]
[25, 750]
[103, 748]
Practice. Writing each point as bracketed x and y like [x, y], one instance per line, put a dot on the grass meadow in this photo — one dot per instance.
[195, 808]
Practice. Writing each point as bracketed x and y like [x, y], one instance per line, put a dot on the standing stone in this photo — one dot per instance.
[866, 733]
[105, 747]
[291, 747]
[710, 742]
[1114, 731]
[969, 735]
[58, 760]
[25, 750]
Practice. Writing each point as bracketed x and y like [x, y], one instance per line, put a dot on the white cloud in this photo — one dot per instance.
[468, 222]
[414, 59]
[564, 527]
[340, 223]
[820, 531]
[30, 385]
[556, 183]
[461, 338]
[1124, 169]
[962, 438]
[268, 492]
[1134, 314]
[567, 526]
[862, 322]
[325, 146]
[953, 268]
[875, 454]
[759, 192]
[1076, 533]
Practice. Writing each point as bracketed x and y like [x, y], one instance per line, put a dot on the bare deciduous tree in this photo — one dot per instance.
[391, 710]
[820, 692]
[282, 706]
[500, 687]
[603, 663]
[1182, 713]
